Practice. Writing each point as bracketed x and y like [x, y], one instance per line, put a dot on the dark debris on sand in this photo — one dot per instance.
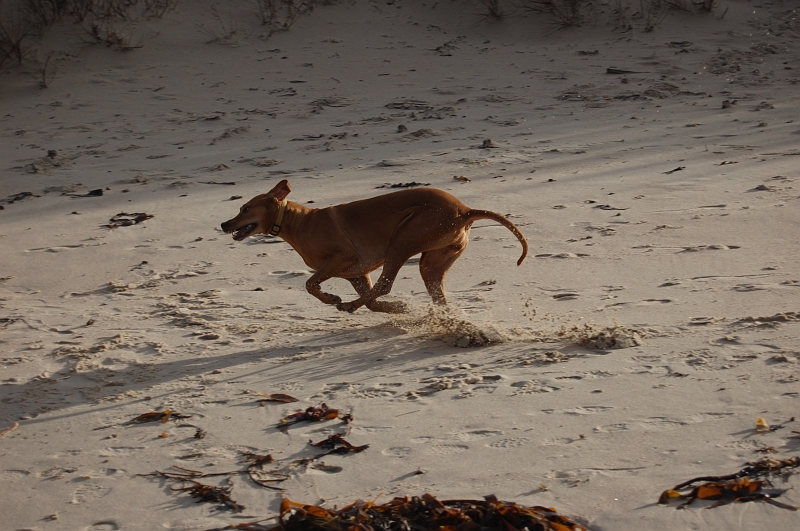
[417, 513]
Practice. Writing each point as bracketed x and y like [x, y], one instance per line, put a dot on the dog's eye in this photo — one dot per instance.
[245, 210]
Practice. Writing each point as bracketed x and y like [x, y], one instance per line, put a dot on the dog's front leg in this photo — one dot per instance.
[383, 286]
[362, 286]
[313, 287]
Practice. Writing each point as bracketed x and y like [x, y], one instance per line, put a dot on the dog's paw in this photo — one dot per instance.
[335, 299]
[345, 307]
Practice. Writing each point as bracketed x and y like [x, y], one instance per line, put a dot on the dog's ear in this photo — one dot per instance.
[280, 191]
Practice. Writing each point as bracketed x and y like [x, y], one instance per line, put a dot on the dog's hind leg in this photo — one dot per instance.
[363, 284]
[433, 266]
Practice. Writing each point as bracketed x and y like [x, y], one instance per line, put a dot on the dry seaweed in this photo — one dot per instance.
[740, 486]
[411, 184]
[725, 492]
[756, 469]
[424, 513]
[124, 220]
[199, 432]
[204, 493]
[154, 416]
[246, 526]
[255, 470]
[257, 459]
[187, 474]
[207, 493]
[98, 192]
[313, 414]
[335, 444]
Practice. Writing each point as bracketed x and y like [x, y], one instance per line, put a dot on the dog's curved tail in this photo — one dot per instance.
[473, 215]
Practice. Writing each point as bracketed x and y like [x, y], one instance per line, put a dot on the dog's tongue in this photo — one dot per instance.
[242, 232]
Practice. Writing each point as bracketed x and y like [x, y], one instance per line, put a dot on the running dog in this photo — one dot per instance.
[351, 240]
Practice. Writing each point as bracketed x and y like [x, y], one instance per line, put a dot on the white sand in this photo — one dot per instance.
[99, 326]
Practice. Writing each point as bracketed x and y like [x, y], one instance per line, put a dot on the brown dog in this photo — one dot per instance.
[351, 240]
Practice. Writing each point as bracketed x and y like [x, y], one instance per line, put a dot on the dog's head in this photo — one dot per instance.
[258, 215]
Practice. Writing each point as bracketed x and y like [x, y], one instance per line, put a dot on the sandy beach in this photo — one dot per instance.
[653, 170]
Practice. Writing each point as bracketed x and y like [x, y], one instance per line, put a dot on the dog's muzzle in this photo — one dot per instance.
[238, 234]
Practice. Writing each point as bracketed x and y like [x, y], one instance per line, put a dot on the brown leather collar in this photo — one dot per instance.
[276, 228]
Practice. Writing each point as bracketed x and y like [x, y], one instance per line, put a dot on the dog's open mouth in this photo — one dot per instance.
[243, 232]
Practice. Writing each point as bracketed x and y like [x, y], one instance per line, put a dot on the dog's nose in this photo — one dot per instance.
[224, 226]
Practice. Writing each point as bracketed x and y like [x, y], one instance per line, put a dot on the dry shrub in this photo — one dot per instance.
[623, 13]
[566, 12]
[493, 9]
[223, 31]
[106, 31]
[104, 21]
[159, 8]
[280, 15]
[47, 70]
[14, 31]
[43, 13]
[705, 6]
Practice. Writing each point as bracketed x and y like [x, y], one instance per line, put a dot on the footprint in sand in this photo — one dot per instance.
[378, 391]
[116, 451]
[55, 472]
[381, 390]
[371, 429]
[69, 453]
[661, 423]
[645, 302]
[87, 493]
[483, 389]
[743, 288]
[62, 248]
[505, 444]
[559, 441]
[290, 386]
[446, 449]
[561, 255]
[476, 435]
[290, 274]
[572, 377]
[527, 387]
[581, 410]
[696, 248]
[588, 375]
[646, 358]
[13, 474]
[611, 428]
[397, 451]
[647, 369]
